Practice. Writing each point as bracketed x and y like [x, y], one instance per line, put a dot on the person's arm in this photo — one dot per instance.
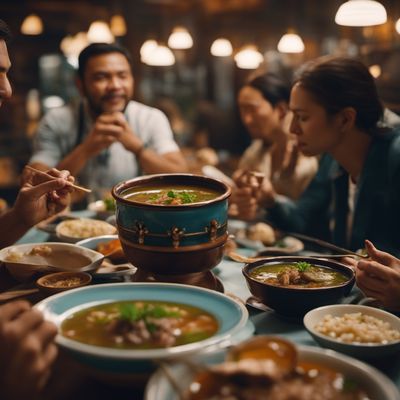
[161, 154]
[27, 351]
[311, 208]
[36, 201]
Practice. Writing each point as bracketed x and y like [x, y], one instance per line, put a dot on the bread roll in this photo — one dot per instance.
[262, 232]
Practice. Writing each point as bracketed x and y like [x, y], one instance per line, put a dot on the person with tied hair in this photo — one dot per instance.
[27, 348]
[356, 193]
[108, 137]
[264, 109]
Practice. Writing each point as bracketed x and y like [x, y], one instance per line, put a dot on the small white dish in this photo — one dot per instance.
[358, 350]
[72, 231]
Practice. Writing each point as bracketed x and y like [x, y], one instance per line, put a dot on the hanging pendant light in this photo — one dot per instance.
[160, 56]
[118, 25]
[221, 48]
[32, 25]
[99, 32]
[361, 13]
[180, 39]
[248, 58]
[291, 42]
[147, 48]
[397, 26]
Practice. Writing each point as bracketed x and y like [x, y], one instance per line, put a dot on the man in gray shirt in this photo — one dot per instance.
[108, 137]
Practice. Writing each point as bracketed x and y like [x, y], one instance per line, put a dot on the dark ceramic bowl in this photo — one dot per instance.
[295, 302]
[172, 239]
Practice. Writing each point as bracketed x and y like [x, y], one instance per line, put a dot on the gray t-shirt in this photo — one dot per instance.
[58, 134]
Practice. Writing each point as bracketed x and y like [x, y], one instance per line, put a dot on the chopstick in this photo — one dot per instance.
[326, 245]
[77, 187]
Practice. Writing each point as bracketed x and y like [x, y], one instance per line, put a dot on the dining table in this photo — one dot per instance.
[70, 380]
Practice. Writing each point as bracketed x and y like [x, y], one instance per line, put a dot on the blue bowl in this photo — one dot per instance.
[231, 315]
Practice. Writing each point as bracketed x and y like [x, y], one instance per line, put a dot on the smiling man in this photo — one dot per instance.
[108, 138]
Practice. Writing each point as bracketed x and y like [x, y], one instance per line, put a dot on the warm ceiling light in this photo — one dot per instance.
[71, 46]
[290, 43]
[161, 56]
[221, 48]
[375, 70]
[248, 58]
[99, 32]
[180, 39]
[32, 25]
[147, 48]
[361, 13]
[118, 25]
[398, 26]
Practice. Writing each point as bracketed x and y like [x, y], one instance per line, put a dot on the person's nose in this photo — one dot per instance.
[247, 118]
[5, 87]
[294, 126]
[115, 82]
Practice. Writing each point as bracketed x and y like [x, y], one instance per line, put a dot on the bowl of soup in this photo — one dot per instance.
[356, 330]
[129, 327]
[294, 285]
[23, 261]
[267, 367]
[172, 224]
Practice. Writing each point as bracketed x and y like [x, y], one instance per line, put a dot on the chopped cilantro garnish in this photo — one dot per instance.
[302, 265]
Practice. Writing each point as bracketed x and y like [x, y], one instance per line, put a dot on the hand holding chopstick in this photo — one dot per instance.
[45, 174]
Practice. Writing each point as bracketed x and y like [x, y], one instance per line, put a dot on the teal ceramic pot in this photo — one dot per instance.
[172, 239]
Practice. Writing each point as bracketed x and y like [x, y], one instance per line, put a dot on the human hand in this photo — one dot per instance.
[291, 159]
[41, 197]
[380, 277]
[27, 351]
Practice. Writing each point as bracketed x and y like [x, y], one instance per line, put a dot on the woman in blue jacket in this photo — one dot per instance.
[356, 192]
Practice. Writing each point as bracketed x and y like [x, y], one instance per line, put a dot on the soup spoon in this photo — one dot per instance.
[243, 259]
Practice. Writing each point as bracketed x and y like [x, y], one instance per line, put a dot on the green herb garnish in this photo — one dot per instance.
[349, 385]
[109, 204]
[133, 313]
[302, 266]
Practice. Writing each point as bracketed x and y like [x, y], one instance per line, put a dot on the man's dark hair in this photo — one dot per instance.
[5, 33]
[96, 49]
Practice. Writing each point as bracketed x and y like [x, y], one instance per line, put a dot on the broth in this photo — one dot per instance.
[173, 195]
[140, 325]
[46, 255]
[298, 275]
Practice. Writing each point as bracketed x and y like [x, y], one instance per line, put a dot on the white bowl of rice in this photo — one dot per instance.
[74, 230]
[359, 331]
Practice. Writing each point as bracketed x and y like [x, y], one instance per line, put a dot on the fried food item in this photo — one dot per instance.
[112, 249]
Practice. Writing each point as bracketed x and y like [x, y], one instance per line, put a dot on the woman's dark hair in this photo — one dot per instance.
[272, 88]
[5, 33]
[339, 82]
[96, 49]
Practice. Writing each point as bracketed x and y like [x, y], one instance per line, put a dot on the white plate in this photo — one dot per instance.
[378, 386]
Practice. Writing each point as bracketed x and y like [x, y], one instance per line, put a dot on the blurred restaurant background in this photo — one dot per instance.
[190, 58]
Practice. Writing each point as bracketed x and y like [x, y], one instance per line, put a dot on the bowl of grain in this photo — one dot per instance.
[74, 230]
[359, 331]
[61, 281]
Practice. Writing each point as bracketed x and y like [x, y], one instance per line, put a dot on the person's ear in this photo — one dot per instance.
[282, 108]
[347, 117]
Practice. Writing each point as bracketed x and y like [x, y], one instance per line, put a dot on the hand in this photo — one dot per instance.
[27, 351]
[104, 133]
[380, 277]
[41, 197]
[291, 159]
